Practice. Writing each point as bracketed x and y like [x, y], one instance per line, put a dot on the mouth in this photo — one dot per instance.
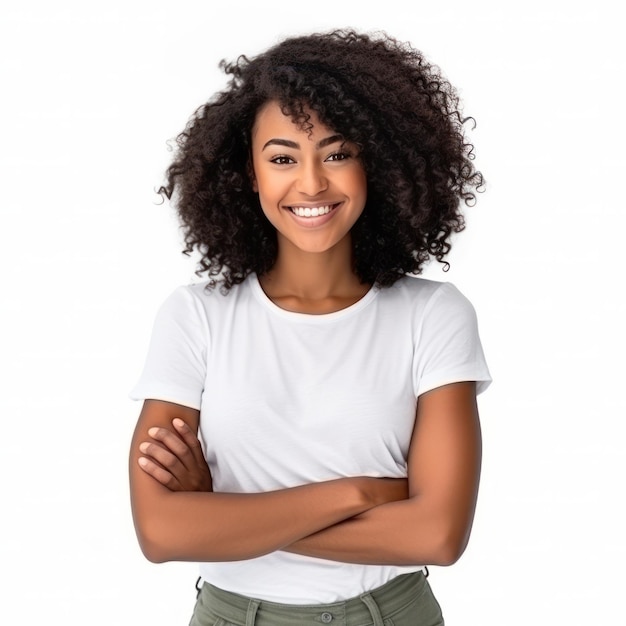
[313, 211]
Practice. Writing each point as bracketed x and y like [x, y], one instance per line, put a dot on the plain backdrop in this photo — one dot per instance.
[90, 94]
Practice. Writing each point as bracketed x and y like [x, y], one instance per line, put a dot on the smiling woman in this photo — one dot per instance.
[311, 185]
[334, 395]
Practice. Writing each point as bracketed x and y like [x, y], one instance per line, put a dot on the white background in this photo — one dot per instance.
[92, 91]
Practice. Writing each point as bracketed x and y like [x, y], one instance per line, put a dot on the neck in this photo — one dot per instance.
[311, 277]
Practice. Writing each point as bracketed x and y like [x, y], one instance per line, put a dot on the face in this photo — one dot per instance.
[311, 186]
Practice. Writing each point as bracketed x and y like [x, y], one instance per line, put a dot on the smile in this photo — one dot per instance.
[315, 211]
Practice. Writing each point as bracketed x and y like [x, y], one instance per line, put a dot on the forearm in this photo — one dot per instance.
[193, 526]
[431, 526]
[409, 532]
[183, 525]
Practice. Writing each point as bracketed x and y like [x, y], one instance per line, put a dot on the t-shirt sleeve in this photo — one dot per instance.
[175, 367]
[448, 347]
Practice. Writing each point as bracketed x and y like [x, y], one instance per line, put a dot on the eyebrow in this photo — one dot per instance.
[322, 143]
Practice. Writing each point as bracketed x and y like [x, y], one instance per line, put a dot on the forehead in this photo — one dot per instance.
[272, 122]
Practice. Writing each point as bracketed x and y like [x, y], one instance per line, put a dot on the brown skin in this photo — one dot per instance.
[206, 526]
[429, 525]
[423, 520]
[433, 525]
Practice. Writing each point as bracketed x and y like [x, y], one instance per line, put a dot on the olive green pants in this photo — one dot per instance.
[405, 601]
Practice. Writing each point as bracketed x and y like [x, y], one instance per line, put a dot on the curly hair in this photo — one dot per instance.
[376, 92]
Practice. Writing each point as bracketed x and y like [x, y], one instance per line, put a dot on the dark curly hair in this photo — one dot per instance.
[376, 92]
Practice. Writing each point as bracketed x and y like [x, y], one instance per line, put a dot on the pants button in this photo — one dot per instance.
[327, 618]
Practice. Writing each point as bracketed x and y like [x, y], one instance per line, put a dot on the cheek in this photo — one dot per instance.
[359, 187]
[268, 185]
[269, 203]
[269, 215]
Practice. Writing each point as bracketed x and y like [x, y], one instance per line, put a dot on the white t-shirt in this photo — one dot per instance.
[290, 398]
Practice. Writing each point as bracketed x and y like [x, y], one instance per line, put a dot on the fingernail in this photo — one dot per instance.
[144, 447]
[153, 431]
[142, 461]
[178, 422]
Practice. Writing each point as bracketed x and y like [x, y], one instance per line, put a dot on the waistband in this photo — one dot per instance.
[368, 609]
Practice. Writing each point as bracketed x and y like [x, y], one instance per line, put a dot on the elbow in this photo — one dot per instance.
[450, 547]
[159, 536]
[153, 545]
[153, 552]
[447, 554]
[441, 543]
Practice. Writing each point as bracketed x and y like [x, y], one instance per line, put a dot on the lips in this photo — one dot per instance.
[313, 211]
[313, 216]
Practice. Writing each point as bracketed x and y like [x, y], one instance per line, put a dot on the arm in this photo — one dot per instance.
[433, 525]
[206, 526]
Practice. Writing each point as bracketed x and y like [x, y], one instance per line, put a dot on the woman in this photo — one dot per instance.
[335, 396]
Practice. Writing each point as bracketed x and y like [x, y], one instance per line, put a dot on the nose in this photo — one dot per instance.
[311, 180]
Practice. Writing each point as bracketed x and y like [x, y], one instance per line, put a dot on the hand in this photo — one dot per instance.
[175, 459]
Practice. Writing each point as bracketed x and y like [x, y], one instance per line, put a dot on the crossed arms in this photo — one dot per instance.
[425, 519]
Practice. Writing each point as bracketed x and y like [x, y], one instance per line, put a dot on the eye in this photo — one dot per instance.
[282, 159]
[339, 156]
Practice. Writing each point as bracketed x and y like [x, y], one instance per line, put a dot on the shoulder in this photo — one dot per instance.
[183, 301]
[446, 337]
[424, 294]
[201, 297]
[430, 308]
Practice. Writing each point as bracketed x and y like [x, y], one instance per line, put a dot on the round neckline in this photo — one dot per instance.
[269, 304]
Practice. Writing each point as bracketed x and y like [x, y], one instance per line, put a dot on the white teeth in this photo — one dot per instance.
[311, 212]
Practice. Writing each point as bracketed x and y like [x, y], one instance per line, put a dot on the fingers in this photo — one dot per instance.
[169, 439]
[162, 458]
[190, 438]
[174, 457]
[158, 473]
[177, 447]
[162, 462]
